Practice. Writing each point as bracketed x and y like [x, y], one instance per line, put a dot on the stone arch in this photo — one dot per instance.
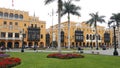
[76, 44]
[87, 45]
[94, 44]
[30, 44]
[84, 44]
[9, 45]
[80, 44]
[41, 44]
[2, 44]
[16, 45]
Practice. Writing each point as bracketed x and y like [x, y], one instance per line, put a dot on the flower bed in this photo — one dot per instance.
[9, 62]
[65, 56]
[3, 55]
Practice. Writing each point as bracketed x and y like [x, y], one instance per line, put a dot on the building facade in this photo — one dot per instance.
[86, 38]
[14, 26]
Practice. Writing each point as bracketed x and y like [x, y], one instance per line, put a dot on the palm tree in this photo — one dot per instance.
[116, 18]
[60, 2]
[59, 20]
[69, 8]
[93, 21]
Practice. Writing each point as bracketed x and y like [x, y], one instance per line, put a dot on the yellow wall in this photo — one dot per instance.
[83, 27]
[22, 24]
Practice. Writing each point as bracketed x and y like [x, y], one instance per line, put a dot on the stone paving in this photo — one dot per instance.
[102, 52]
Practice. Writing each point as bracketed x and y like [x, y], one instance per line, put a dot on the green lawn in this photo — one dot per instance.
[39, 60]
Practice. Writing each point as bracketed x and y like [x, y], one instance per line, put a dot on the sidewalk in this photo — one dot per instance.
[102, 52]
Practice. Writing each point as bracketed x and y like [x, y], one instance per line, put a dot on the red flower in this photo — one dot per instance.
[65, 56]
[9, 62]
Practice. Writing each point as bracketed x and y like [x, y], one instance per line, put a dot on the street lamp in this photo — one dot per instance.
[115, 53]
[52, 14]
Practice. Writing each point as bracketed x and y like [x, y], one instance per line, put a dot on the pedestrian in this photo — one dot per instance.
[91, 46]
[35, 48]
[1, 48]
[79, 48]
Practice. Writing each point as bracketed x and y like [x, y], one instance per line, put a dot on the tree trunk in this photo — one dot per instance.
[59, 29]
[68, 30]
[96, 35]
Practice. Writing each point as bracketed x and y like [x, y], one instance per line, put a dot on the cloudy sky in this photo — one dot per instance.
[104, 7]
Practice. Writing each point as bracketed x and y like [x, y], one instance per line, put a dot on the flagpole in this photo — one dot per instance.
[12, 3]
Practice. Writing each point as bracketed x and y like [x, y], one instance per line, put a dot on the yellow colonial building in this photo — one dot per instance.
[14, 26]
[88, 35]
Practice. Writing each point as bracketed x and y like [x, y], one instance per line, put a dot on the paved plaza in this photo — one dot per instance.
[102, 52]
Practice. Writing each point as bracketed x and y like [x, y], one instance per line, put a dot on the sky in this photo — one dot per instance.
[104, 7]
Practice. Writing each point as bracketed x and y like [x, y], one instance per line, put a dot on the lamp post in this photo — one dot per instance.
[52, 15]
[115, 53]
[22, 49]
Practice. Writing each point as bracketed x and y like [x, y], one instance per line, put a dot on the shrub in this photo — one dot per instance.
[64, 56]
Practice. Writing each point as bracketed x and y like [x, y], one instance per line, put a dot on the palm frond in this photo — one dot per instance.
[92, 15]
[110, 22]
[90, 22]
[63, 12]
[48, 1]
[95, 18]
[116, 18]
[70, 8]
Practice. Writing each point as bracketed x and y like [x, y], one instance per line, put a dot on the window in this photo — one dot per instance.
[93, 30]
[98, 37]
[41, 36]
[5, 15]
[93, 37]
[10, 35]
[24, 24]
[11, 15]
[87, 37]
[16, 23]
[16, 35]
[3, 34]
[10, 26]
[16, 16]
[35, 25]
[5, 23]
[21, 16]
[41, 26]
[10, 23]
[31, 25]
[1, 14]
